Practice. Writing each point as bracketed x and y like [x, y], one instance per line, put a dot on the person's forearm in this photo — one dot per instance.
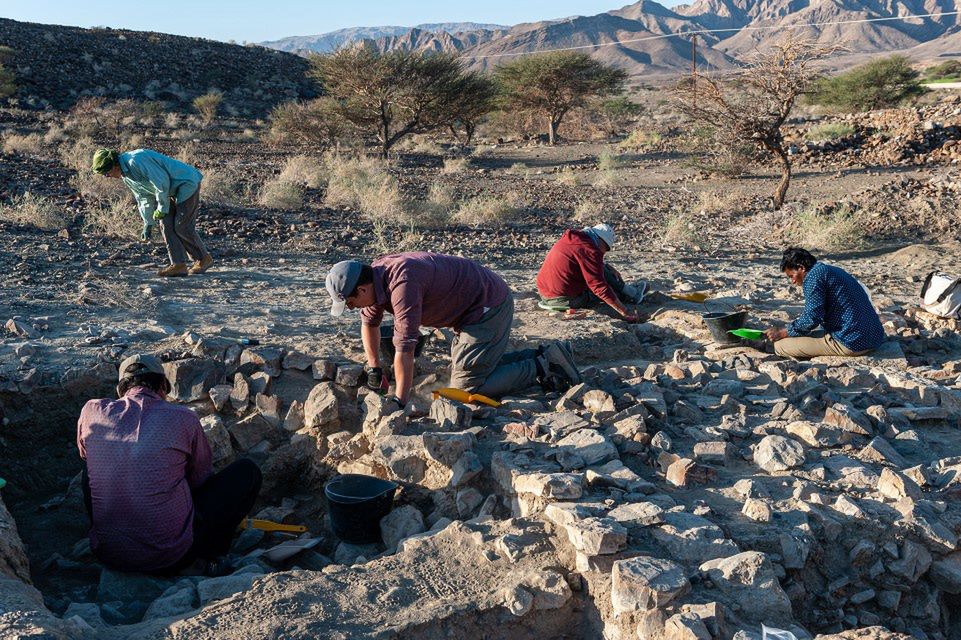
[403, 374]
[371, 338]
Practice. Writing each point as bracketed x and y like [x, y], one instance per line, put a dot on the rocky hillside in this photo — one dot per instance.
[636, 37]
[55, 66]
[326, 42]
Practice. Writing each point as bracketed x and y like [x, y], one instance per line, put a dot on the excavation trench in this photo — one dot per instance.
[39, 460]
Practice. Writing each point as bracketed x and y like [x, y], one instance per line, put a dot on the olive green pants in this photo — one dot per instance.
[805, 348]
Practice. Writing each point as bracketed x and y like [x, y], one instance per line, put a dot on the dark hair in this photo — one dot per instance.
[154, 381]
[796, 257]
[366, 277]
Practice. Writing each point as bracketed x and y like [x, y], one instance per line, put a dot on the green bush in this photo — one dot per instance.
[879, 84]
[948, 70]
[208, 104]
[829, 131]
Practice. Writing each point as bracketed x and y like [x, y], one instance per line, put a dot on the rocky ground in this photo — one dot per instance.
[683, 491]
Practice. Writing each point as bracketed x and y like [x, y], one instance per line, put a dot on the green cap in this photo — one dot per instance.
[103, 160]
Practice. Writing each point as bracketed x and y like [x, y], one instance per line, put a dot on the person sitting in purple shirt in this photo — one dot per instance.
[154, 502]
[436, 290]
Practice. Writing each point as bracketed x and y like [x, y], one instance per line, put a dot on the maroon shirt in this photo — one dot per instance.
[572, 266]
[144, 456]
[432, 290]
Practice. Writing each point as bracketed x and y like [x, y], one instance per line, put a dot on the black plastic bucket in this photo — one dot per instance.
[356, 503]
[387, 341]
[720, 322]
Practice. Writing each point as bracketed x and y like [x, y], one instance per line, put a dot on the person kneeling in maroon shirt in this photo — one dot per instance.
[154, 503]
[436, 290]
[575, 276]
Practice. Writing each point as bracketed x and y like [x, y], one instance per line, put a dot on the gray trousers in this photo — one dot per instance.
[588, 300]
[478, 361]
[180, 230]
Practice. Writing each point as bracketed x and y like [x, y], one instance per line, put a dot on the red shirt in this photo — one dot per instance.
[144, 456]
[431, 290]
[572, 266]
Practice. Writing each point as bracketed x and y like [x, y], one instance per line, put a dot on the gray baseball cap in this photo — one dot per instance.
[341, 281]
[139, 364]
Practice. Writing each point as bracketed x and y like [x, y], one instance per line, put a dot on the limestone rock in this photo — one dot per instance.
[777, 453]
[450, 415]
[749, 579]
[590, 445]
[294, 420]
[322, 409]
[642, 514]
[644, 583]
[192, 379]
[896, 486]
[550, 589]
[324, 370]
[816, 434]
[447, 448]
[218, 437]
[240, 394]
[848, 419]
[250, 431]
[693, 537]
[219, 588]
[596, 536]
[220, 396]
[267, 359]
[465, 469]
[401, 523]
[350, 375]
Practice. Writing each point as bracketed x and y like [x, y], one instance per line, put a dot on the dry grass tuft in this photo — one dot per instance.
[32, 210]
[568, 177]
[31, 144]
[117, 219]
[279, 194]
[588, 211]
[435, 211]
[829, 131]
[682, 231]
[223, 188]
[835, 230]
[487, 210]
[306, 171]
[715, 201]
[640, 140]
[455, 165]
[608, 160]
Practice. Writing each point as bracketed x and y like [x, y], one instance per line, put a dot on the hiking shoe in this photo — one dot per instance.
[174, 270]
[560, 361]
[201, 265]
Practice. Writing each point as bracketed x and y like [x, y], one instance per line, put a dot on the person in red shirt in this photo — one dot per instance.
[436, 290]
[575, 276]
[155, 504]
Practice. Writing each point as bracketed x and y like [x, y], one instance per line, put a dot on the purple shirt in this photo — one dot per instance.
[432, 290]
[144, 456]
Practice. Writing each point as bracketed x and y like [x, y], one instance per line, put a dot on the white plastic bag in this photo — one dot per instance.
[770, 633]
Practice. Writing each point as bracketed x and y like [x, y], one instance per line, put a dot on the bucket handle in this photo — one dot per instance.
[393, 487]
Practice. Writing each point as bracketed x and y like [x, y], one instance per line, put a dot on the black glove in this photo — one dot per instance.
[375, 378]
[397, 400]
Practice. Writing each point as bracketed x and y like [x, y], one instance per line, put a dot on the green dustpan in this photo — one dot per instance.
[747, 334]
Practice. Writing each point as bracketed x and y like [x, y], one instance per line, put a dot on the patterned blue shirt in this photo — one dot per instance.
[836, 301]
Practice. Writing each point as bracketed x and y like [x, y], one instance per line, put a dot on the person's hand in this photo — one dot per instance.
[774, 334]
[377, 379]
[158, 215]
[631, 317]
[145, 234]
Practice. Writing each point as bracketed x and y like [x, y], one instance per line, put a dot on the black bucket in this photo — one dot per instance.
[720, 322]
[356, 503]
[387, 341]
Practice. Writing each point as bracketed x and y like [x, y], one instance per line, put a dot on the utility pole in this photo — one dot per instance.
[694, 70]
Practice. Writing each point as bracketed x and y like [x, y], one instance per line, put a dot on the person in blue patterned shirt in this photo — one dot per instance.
[833, 300]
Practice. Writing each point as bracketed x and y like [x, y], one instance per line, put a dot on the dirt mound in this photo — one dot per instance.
[55, 66]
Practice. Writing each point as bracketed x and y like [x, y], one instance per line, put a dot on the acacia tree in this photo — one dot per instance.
[751, 104]
[552, 84]
[391, 95]
[476, 99]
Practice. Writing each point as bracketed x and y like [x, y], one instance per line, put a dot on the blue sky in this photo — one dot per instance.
[255, 21]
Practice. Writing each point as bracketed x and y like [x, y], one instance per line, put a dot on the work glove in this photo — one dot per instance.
[377, 379]
[158, 215]
[145, 234]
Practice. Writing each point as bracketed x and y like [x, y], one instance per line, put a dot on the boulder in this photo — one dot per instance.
[218, 437]
[750, 580]
[450, 415]
[401, 523]
[848, 419]
[240, 394]
[596, 536]
[590, 445]
[447, 448]
[644, 583]
[193, 378]
[250, 431]
[267, 359]
[777, 453]
[220, 396]
[322, 409]
[223, 587]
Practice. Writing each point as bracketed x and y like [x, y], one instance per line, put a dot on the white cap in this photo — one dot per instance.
[604, 232]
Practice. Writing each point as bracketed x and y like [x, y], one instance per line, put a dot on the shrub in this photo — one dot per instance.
[78, 154]
[29, 209]
[617, 113]
[640, 139]
[609, 161]
[833, 230]
[829, 131]
[485, 211]
[520, 169]
[948, 70]
[54, 135]
[455, 165]
[682, 231]
[316, 123]
[569, 177]
[435, 211]
[113, 218]
[222, 188]
[31, 144]
[189, 152]
[717, 201]
[352, 177]
[588, 211]
[876, 85]
[152, 109]
[306, 171]
[8, 86]
[207, 105]
[278, 194]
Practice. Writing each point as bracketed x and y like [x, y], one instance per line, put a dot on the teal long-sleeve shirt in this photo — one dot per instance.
[155, 178]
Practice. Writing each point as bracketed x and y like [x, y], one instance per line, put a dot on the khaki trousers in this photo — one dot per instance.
[806, 348]
[179, 229]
